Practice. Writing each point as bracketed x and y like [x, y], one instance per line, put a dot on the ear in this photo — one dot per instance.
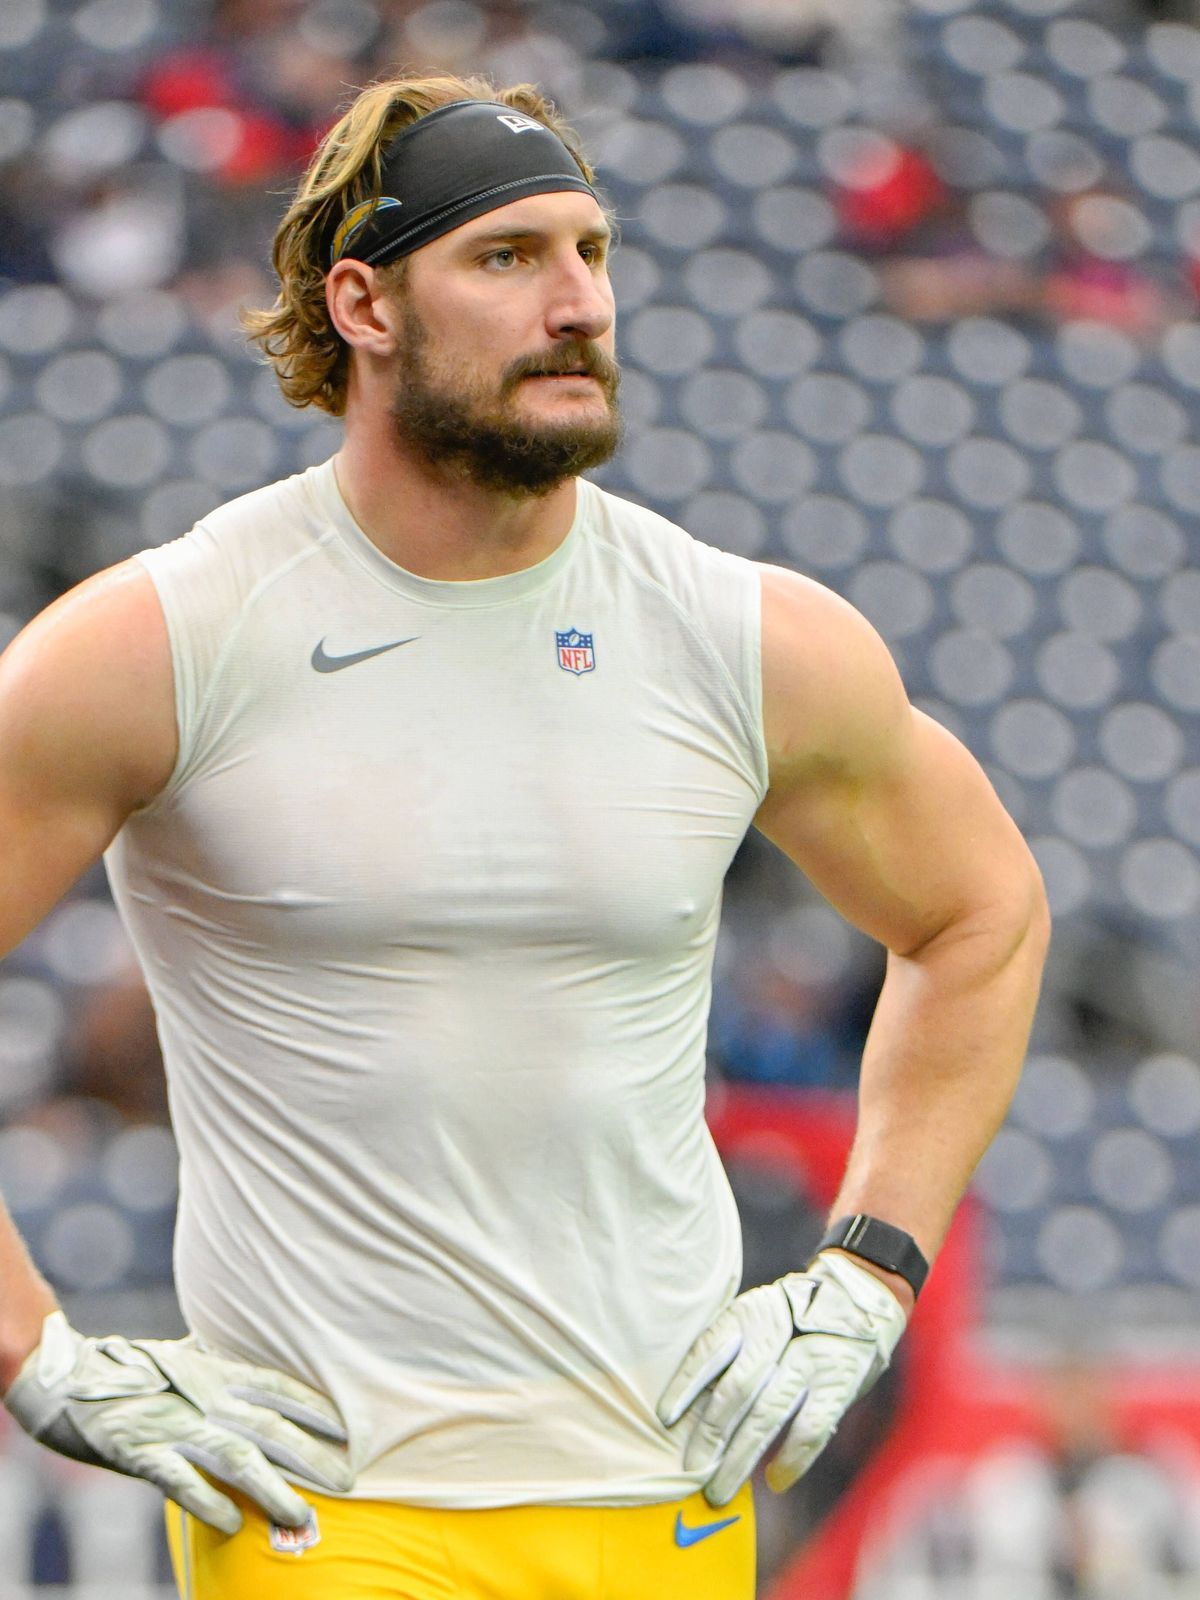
[360, 309]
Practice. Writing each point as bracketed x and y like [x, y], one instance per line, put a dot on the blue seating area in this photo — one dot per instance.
[1092, 1193]
[1012, 500]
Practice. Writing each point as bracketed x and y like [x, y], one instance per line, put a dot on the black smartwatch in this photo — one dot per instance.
[881, 1244]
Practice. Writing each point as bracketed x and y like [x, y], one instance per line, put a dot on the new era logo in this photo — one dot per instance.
[518, 123]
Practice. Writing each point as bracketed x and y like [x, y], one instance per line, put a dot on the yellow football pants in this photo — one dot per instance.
[375, 1550]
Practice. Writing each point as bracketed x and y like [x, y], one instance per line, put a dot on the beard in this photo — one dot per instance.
[469, 430]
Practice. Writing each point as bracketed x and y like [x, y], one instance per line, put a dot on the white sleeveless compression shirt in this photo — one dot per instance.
[427, 911]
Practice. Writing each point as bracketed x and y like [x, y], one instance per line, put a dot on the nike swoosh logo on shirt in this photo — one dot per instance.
[326, 663]
[685, 1536]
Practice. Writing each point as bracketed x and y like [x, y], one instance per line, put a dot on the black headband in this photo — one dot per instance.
[458, 162]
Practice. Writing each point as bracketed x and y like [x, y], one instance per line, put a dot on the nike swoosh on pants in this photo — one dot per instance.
[685, 1536]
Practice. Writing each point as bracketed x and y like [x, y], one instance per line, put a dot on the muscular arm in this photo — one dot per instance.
[87, 734]
[894, 822]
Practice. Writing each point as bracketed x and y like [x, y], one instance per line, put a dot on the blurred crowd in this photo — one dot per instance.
[188, 124]
[1080, 1513]
[193, 121]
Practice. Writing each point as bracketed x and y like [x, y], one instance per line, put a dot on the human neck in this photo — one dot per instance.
[440, 528]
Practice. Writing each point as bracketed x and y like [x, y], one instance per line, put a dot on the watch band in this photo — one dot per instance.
[881, 1244]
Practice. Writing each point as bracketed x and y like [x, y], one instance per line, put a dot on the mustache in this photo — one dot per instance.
[580, 355]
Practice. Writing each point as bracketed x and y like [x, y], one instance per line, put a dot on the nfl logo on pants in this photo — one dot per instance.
[575, 653]
[295, 1541]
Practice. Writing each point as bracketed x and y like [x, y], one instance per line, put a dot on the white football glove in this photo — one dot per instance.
[797, 1351]
[158, 1409]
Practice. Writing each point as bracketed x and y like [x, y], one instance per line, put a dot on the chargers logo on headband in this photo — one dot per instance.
[354, 219]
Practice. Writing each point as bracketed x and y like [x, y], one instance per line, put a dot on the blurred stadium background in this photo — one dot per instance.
[908, 298]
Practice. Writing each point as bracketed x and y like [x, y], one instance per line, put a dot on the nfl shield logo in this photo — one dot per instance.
[575, 653]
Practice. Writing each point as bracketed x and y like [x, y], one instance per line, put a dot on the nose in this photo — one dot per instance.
[581, 306]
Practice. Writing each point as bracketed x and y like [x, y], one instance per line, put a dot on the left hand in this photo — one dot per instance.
[159, 1408]
[797, 1351]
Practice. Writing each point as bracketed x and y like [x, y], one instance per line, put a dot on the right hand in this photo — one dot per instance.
[785, 1360]
[158, 1409]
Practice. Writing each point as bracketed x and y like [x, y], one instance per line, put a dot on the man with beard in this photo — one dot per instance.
[418, 775]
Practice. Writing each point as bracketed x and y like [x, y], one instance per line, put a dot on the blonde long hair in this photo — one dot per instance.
[310, 358]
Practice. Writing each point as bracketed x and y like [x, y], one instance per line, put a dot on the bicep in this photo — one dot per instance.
[885, 811]
[904, 848]
[87, 734]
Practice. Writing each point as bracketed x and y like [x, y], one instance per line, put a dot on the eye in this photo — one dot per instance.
[502, 259]
[592, 253]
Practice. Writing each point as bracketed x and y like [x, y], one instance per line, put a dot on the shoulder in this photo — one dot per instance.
[112, 617]
[242, 541]
[224, 571]
[660, 550]
[832, 694]
[285, 501]
[88, 684]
